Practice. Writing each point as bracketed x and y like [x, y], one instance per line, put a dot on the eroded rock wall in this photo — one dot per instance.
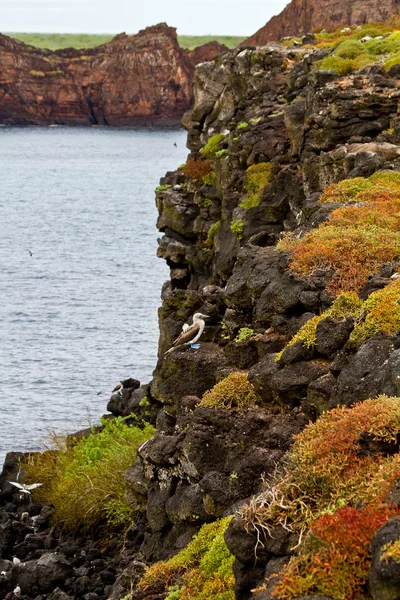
[139, 79]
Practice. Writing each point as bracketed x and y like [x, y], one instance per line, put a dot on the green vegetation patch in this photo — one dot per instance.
[213, 145]
[55, 41]
[256, 180]
[203, 570]
[335, 492]
[37, 73]
[163, 187]
[212, 232]
[245, 333]
[84, 479]
[237, 228]
[235, 391]
[350, 54]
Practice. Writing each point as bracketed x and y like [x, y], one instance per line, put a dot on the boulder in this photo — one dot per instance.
[384, 575]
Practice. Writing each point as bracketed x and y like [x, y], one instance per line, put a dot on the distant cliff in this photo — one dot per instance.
[302, 16]
[131, 80]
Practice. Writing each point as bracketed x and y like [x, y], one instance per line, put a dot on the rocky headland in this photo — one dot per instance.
[131, 80]
[303, 16]
[264, 464]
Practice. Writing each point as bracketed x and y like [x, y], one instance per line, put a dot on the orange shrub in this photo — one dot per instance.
[352, 252]
[197, 169]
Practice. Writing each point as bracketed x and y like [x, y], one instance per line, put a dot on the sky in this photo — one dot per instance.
[190, 17]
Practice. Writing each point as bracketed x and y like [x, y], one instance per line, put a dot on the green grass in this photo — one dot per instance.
[54, 41]
[192, 41]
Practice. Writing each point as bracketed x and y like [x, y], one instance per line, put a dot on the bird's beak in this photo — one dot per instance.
[206, 317]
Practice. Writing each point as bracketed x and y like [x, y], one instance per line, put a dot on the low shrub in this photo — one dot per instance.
[84, 479]
[345, 305]
[356, 240]
[352, 253]
[203, 570]
[213, 145]
[326, 471]
[235, 391]
[336, 558]
[345, 191]
[197, 169]
[350, 49]
[257, 178]
[343, 66]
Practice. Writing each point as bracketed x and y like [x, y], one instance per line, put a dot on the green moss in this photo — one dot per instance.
[245, 333]
[237, 228]
[162, 188]
[257, 178]
[209, 179]
[242, 125]
[255, 120]
[206, 203]
[212, 232]
[57, 72]
[213, 145]
[221, 153]
[37, 73]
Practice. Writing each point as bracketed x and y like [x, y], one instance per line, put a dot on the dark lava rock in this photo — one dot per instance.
[364, 375]
[296, 353]
[331, 335]
[384, 576]
[271, 576]
[290, 383]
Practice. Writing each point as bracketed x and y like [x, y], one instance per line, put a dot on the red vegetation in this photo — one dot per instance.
[336, 559]
[197, 169]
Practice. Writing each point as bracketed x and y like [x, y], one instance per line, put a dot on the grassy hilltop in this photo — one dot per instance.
[54, 41]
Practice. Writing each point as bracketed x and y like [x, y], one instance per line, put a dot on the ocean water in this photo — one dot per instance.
[79, 279]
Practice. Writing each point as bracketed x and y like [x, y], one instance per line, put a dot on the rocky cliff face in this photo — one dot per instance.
[303, 16]
[131, 80]
[268, 132]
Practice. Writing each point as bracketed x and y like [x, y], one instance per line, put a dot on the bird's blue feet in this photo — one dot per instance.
[195, 346]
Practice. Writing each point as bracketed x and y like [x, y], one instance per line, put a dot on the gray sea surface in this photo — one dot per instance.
[80, 313]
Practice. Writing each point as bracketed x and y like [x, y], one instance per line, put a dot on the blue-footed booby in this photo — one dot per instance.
[190, 334]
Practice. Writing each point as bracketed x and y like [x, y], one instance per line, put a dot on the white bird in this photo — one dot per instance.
[17, 591]
[16, 560]
[190, 334]
[24, 488]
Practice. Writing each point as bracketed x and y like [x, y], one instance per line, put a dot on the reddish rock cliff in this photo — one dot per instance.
[302, 16]
[130, 80]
